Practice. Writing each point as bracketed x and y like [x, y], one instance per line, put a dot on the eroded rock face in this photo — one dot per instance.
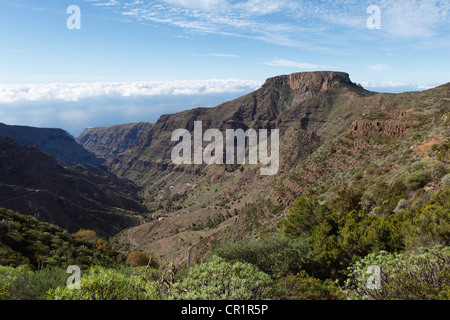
[310, 81]
[391, 128]
[106, 142]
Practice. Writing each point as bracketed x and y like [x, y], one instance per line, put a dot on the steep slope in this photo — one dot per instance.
[55, 142]
[333, 133]
[28, 241]
[105, 142]
[33, 183]
[300, 112]
[307, 108]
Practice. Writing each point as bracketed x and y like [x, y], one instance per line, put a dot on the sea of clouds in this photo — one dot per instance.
[75, 106]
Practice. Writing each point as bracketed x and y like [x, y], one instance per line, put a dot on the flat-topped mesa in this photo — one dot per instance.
[310, 81]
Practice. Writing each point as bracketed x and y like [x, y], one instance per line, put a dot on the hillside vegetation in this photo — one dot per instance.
[360, 208]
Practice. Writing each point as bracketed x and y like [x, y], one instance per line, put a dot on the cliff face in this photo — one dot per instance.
[390, 128]
[105, 142]
[310, 81]
[55, 142]
[33, 183]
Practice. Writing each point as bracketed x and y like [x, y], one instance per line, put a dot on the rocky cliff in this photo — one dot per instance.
[105, 142]
[310, 81]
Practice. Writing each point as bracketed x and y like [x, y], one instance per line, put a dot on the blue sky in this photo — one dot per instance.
[134, 60]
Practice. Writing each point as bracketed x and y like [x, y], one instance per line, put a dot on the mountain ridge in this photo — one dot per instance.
[33, 183]
[55, 142]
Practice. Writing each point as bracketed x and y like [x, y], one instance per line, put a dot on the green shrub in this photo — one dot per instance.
[274, 254]
[415, 276]
[220, 280]
[33, 285]
[108, 284]
[8, 275]
[304, 287]
[304, 214]
[418, 179]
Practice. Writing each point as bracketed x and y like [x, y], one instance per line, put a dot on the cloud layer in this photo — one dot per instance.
[10, 93]
[75, 106]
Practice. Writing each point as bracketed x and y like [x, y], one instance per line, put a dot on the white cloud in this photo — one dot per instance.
[224, 55]
[415, 18]
[289, 63]
[379, 67]
[295, 23]
[10, 93]
[396, 87]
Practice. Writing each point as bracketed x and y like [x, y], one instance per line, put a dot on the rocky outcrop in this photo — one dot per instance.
[54, 142]
[391, 128]
[310, 81]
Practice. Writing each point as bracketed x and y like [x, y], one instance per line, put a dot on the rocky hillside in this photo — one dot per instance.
[303, 106]
[331, 132]
[33, 183]
[55, 142]
[106, 142]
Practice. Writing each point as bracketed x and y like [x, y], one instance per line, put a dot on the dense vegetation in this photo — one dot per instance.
[370, 221]
[323, 251]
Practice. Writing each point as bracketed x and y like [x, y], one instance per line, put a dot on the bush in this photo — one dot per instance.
[220, 280]
[108, 284]
[304, 214]
[87, 234]
[8, 275]
[415, 276]
[418, 179]
[34, 285]
[140, 259]
[274, 254]
[304, 287]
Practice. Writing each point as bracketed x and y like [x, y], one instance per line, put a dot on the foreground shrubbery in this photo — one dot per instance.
[419, 276]
[22, 283]
[108, 284]
[342, 237]
[274, 254]
[220, 280]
